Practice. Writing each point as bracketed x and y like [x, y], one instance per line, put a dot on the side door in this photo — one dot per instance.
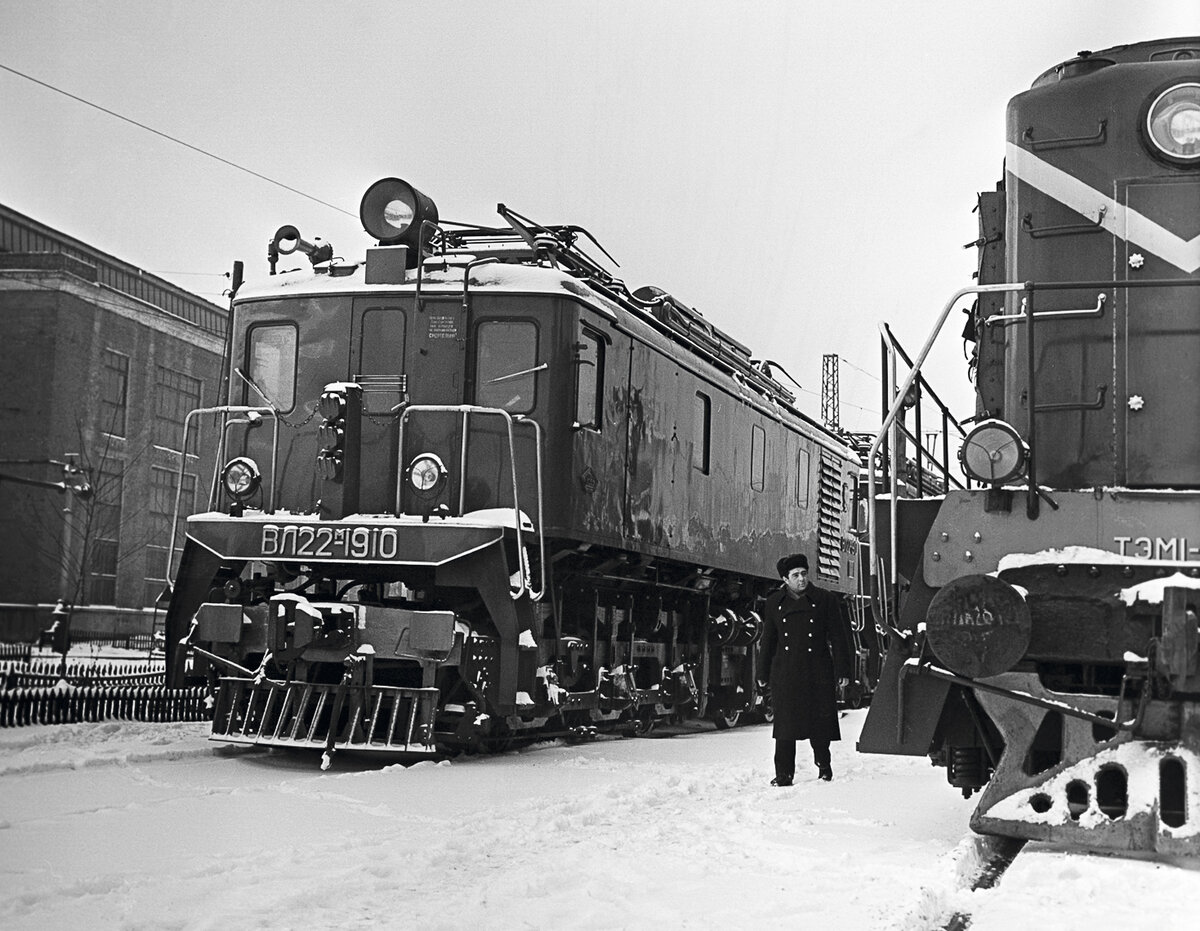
[438, 333]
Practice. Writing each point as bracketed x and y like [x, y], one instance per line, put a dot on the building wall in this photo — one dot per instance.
[71, 342]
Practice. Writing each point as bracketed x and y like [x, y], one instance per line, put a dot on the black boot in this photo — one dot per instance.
[781, 781]
[825, 773]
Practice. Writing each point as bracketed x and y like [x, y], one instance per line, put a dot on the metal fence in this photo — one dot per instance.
[69, 704]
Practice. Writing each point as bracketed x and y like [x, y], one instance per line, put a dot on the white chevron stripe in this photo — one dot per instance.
[1118, 219]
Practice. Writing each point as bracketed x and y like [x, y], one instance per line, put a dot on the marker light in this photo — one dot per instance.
[426, 474]
[1173, 123]
[241, 478]
[993, 452]
[393, 210]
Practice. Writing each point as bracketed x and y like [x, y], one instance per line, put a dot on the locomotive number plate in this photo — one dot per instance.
[288, 541]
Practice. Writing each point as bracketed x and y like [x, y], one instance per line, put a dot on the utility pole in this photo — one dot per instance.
[78, 482]
[830, 402]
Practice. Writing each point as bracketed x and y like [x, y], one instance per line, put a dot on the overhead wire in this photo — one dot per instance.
[177, 141]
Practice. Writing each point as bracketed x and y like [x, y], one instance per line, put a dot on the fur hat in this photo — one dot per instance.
[788, 563]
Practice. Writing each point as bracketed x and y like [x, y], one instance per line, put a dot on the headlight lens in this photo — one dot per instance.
[241, 477]
[1173, 122]
[993, 452]
[426, 473]
[392, 211]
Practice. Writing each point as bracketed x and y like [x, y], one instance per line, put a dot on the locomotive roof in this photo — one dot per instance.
[520, 277]
[1184, 48]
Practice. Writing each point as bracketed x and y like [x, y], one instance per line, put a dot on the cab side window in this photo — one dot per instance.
[589, 380]
[758, 457]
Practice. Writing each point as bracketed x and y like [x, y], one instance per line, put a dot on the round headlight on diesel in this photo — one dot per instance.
[993, 453]
[241, 478]
[1173, 123]
[427, 474]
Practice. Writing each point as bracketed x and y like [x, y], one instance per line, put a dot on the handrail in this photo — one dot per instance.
[183, 454]
[897, 404]
[1082, 313]
[467, 410]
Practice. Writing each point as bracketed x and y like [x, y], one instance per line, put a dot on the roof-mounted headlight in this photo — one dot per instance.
[393, 211]
[427, 475]
[993, 453]
[241, 478]
[1173, 123]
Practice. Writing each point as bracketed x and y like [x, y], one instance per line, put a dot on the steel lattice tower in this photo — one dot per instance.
[830, 402]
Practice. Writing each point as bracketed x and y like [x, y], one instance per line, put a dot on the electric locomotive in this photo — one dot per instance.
[1046, 646]
[476, 491]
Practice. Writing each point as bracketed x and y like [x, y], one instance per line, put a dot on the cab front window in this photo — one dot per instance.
[506, 365]
[272, 364]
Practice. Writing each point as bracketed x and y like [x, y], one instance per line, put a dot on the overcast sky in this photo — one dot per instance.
[795, 171]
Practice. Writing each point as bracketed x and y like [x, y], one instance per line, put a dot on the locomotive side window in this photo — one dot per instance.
[505, 359]
[802, 478]
[702, 432]
[589, 380]
[272, 363]
[758, 457]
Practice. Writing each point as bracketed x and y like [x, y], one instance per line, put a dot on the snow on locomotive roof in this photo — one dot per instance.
[349, 278]
[438, 277]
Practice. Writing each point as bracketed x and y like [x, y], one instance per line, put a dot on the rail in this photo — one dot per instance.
[886, 433]
[467, 410]
[225, 409]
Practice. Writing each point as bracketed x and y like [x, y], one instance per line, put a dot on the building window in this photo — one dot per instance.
[104, 544]
[176, 396]
[162, 506]
[506, 356]
[114, 391]
[758, 457]
[702, 432]
[802, 478]
[272, 365]
[589, 381]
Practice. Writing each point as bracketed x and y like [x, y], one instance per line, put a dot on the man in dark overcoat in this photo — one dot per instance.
[803, 659]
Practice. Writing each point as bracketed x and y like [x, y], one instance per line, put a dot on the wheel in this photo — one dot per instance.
[726, 719]
[643, 724]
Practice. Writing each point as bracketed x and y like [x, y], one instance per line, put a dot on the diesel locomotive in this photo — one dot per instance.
[476, 490]
[1046, 648]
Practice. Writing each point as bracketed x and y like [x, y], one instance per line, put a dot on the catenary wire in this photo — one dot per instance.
[188, 145]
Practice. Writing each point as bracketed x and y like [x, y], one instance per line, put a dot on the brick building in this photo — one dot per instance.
[100, 363]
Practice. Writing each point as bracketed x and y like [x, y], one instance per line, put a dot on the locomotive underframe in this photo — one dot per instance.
[420, 665]
[1092, 737]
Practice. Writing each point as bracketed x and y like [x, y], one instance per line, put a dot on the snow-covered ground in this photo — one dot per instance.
[152, 826]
